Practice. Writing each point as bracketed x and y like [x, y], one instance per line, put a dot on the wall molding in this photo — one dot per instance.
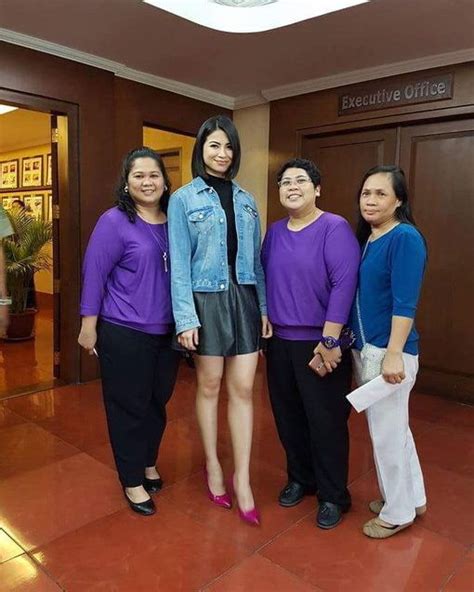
[243, 101]
[120, 70]
[366, 74]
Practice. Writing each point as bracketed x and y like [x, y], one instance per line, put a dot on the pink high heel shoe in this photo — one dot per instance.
[223, 501]
[251, 516]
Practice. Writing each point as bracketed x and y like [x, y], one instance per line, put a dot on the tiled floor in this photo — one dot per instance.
[25, 365]
[64, 524]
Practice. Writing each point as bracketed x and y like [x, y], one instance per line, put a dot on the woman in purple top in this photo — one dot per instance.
[127, 321]
[310, 260]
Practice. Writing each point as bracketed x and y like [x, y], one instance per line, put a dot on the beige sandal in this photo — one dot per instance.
[377, 505]
[375, 530]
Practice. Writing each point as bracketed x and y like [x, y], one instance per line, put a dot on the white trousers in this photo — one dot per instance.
[396, 460]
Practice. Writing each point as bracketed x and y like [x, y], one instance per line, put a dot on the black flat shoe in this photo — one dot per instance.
[329, 515]
[292, 494]
[146, 508]
[153, 485]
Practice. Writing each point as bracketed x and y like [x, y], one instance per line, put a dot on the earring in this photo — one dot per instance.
[166, 187]
[126, 188]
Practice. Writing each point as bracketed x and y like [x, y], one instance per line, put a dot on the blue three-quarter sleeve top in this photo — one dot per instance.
[390, 278]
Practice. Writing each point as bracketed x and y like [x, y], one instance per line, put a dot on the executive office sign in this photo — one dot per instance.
[382, 95]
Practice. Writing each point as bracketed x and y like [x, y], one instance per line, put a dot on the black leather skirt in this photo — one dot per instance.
[230, 320]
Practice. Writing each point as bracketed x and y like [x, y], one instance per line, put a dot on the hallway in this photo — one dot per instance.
[65, 525]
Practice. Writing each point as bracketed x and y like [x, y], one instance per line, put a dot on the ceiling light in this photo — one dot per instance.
[244, 3]
[252, 16]
[6, 109]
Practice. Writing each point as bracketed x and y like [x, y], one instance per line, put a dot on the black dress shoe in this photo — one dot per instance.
[291, 494]
[146, 508]
[329, 515]
[153, 485]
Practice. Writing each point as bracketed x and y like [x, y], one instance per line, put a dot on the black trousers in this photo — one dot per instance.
[139, 372]
[311, 415]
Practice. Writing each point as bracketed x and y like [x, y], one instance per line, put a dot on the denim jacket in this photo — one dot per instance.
[198, 247]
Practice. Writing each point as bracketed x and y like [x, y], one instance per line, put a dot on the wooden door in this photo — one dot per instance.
[172, 161]
[343, 159]
[438, 160]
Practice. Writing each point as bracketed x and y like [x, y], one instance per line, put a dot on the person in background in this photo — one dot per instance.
[127, 321]
[218, 295]
[310, 259]
[5, 230]
[390, 278]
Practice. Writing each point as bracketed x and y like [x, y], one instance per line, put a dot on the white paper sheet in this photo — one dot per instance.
[371, 392]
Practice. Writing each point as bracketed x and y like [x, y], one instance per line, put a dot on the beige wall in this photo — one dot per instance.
[43, 279]
[162, 140]
[253, 124]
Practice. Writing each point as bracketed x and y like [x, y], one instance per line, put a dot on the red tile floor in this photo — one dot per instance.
[28, 365]
[64, 524]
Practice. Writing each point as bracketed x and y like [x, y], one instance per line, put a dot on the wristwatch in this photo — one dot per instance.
[330, 342]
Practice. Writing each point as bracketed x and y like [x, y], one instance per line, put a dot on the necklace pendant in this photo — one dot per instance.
[165, 261]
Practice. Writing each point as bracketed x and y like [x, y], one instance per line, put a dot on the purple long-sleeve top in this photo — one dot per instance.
[124, 277]
[311, 276]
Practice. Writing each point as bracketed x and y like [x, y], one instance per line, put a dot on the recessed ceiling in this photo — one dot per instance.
[23, 129]
[140, 42]
[250, 16]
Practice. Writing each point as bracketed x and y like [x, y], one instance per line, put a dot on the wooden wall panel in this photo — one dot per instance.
[316, 113]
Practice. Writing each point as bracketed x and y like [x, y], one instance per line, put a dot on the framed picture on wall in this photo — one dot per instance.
[9, 174]
[7, 202]
[34, 205]
[49, 175]
[32, 171]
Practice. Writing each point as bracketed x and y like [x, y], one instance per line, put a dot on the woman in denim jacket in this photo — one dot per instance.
[218, 297]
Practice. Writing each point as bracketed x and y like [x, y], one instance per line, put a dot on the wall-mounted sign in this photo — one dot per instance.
[382, 95]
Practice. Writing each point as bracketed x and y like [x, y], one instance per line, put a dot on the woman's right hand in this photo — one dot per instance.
[88, 335]
[87, 339]
[189, 339]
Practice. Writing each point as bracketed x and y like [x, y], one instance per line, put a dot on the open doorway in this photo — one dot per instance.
[39, 174]
[175, 149]
[26, 189]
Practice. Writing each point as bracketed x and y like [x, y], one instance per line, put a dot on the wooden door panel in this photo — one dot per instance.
[438, 159]
[343, 159]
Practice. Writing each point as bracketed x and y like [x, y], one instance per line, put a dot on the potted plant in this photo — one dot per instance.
[24, 256]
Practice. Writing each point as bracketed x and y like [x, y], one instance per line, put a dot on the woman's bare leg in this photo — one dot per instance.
[209, 371]
[240, 375]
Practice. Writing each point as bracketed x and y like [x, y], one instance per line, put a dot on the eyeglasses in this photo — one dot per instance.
[286, 182]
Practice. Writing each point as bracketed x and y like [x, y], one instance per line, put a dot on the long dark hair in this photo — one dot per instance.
[399, 184]
[123, 200]
[212, 124]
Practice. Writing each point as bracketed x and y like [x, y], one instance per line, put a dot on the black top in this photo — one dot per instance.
[224, 191]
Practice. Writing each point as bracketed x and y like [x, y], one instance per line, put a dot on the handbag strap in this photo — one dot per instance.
[359, 317]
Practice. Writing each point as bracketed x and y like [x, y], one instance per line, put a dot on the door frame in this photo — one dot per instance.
[67, 290]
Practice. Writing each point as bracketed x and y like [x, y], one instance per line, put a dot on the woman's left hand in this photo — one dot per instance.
[393, 369]
[267, 329]
[331, 357]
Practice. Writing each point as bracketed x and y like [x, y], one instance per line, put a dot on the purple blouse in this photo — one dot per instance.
[311, 276]
[124, 277]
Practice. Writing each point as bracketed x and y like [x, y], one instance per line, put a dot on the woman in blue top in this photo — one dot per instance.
[390, 278]
[218, 296]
